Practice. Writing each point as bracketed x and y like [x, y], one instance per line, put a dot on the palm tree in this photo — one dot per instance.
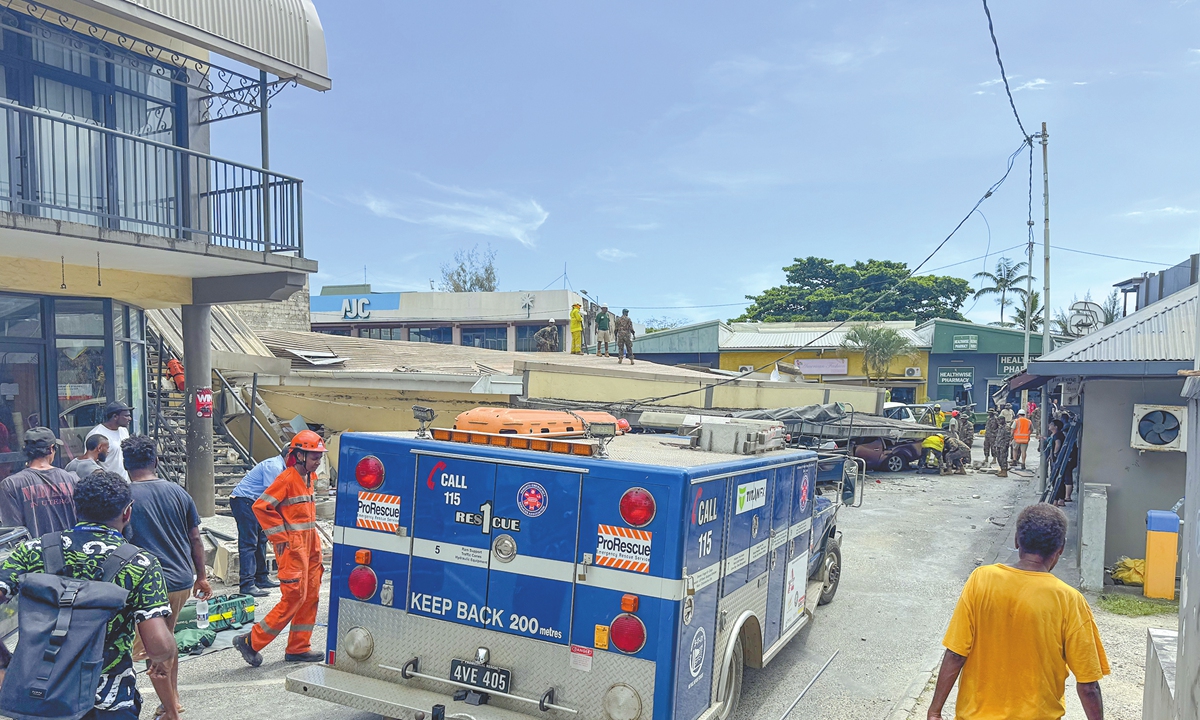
[879, 346]
[1005, 281]
[1035, 307]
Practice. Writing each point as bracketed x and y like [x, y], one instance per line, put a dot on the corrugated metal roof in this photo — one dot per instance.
[1162, 331]
[283, 37]
[230, 333]
[811, 338]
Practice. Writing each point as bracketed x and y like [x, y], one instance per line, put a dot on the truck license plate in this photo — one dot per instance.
[481, 676]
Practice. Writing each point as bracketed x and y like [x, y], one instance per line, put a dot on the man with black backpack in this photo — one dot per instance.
[90, 582]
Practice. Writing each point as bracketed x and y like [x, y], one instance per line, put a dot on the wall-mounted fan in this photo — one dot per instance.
[1159, 427]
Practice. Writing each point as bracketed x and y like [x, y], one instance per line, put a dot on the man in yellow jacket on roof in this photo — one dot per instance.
[576, 330]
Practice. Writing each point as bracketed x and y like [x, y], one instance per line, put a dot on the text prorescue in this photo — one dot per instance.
[623, 548]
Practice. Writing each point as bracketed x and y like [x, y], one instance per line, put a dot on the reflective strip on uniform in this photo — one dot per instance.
[302, 628]
[268, 629]
[268, 500]
[296, 500]
[299, 526]
[273, 530]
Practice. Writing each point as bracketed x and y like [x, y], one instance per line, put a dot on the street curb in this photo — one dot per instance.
[904, 707]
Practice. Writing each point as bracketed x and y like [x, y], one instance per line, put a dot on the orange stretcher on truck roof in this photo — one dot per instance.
[512, 421]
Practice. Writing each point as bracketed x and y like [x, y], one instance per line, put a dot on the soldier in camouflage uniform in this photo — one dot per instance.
[547, 338]
[966, 428]
[624, 328]
[955, 456]
[1001, 445]
[990, 432]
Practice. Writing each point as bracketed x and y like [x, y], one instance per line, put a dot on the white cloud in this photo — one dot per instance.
[487, 212]
[1079, 83]
[996, 81]
[1170, 210]
[613, 254]
[1036, 84]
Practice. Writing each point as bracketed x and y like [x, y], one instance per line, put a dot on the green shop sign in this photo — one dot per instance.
[1007, 365]
[966, 342]
[956, 376]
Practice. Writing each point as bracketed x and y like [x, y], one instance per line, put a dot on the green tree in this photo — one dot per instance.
[471, 271]
[818, 289]
[1111, 308]
[1005, 281]
[1035, 306]
[879, 346]
[656, 324]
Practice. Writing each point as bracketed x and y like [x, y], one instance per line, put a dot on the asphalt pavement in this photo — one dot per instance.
[906, 554]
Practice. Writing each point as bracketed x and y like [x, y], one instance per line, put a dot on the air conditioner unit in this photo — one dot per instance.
[911, 372]
[745, 368]
[1159, 427]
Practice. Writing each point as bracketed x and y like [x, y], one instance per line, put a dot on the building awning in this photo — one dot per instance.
[283, 37]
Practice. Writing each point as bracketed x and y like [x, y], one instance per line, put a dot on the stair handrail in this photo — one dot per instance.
[253, 417]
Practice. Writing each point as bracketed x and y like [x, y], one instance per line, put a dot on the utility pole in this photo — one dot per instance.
[1044, 430]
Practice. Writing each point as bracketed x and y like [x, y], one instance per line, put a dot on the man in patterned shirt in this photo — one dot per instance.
[104, 505]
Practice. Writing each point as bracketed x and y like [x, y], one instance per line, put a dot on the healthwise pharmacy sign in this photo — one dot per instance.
[956, 375]
[1007, 365]
[966, 342]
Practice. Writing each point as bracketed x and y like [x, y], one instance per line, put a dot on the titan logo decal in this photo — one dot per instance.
[703, 511]
[751, 495]
[429, 482]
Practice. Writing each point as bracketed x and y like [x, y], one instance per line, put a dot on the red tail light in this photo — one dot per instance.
[363, 582]
[637, 507]
[369, 472]
[628, 633]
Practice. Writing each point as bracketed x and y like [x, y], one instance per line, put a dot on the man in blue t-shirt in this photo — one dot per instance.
[166, 524]
[252, 541]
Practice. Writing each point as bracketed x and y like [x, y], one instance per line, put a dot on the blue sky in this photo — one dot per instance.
[678, 154]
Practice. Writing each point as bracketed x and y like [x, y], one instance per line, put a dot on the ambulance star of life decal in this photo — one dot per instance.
[532, 499]
[803, 492]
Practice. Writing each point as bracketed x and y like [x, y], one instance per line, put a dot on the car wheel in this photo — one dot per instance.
[895, 463]
[832, 573]
[733, 682]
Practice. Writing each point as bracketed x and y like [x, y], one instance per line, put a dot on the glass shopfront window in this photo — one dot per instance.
[62, 372]
[525, 337]
[489, 338]
[440, 335]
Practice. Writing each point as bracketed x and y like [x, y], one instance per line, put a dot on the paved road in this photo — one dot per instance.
[906, 553]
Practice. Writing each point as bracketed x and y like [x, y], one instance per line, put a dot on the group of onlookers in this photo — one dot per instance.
[108, 496]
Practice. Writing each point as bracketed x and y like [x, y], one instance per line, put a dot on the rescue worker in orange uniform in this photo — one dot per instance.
[287, 513]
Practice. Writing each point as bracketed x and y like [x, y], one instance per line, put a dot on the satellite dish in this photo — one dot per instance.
[1085, 317]
[527, 303]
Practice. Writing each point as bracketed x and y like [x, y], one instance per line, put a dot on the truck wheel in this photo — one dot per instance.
[895, 463]
[733, 685]
[832, 573]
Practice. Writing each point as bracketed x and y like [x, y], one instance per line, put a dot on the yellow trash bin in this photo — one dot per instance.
[1162, 554]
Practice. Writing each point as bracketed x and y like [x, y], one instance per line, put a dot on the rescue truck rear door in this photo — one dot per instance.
[494, 545]
[781, 522]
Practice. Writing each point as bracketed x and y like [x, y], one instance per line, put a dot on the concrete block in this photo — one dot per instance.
[1093, 527]
[1158, 694]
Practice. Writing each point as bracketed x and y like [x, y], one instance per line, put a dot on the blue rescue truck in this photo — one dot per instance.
[621, 580]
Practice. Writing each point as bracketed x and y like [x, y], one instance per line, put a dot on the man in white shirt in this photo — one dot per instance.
[117, 416]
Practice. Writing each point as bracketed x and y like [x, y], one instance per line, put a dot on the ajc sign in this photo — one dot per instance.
[356, 308]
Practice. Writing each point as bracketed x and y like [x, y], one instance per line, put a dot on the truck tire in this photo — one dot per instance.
[832, 572]
[733, 688]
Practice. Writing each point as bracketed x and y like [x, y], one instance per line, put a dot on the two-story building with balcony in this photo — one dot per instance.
[111, 202]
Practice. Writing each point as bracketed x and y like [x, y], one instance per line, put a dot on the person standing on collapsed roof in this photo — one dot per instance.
[287, 512]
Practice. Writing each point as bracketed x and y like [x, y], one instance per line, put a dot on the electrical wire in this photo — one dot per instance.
[893, 290]
[1004, 77]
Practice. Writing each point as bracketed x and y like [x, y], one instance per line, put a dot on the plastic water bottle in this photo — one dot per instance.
[201, 614]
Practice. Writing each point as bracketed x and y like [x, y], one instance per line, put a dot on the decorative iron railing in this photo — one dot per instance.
[62, 168]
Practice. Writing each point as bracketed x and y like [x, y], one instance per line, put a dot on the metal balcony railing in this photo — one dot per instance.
[67, 169]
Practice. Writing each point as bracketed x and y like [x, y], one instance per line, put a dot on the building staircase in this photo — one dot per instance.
[168, 425]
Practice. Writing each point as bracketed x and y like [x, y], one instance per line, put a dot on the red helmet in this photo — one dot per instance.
[308, 441]
[623, 425]
[953, 413]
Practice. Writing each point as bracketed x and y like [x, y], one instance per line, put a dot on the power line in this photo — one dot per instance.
[895, 288]
[1004, 76]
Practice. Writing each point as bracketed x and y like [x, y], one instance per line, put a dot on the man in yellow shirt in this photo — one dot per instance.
[1016, 632]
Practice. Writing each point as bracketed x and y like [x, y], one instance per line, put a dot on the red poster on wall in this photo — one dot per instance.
[204, 402]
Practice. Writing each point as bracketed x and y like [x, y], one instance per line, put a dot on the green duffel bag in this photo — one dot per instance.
[191, 641]
[230, 611]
